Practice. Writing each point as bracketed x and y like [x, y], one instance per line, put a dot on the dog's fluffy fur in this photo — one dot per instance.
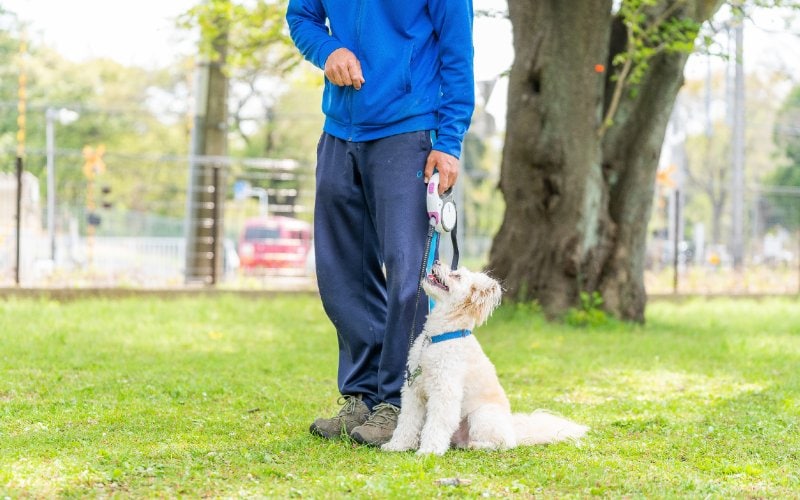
[455, 396]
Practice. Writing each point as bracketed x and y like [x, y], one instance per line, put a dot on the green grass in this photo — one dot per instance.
[212, 396]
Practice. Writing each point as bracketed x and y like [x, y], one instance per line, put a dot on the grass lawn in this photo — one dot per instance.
[212, 396]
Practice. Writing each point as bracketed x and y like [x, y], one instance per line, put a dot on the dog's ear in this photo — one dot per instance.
[482, 299]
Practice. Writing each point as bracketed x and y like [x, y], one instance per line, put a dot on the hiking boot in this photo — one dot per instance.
[354, 412]
[378, 429]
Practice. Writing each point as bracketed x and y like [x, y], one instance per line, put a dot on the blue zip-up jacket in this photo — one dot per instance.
[416, 57]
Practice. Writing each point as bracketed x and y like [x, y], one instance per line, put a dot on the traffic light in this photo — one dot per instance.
[93, 161]
[93, 166]
[105, 202]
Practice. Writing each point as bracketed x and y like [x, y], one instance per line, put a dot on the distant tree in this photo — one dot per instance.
[258, 54]
[709, 151]
[787, 137]
[9, 77]
[116, 109]
[294, 120]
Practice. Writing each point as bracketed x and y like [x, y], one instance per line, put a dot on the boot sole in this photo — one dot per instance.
[355, 436]
[316, 431]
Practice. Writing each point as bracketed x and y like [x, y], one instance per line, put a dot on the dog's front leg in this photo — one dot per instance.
[409, 423]
[443, 417]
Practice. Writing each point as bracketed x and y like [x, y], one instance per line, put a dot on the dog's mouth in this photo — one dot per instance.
[434, 280]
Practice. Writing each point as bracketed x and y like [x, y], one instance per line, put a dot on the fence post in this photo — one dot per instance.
[209, 138]
[676, 242]
[216, 245]
[19, 220]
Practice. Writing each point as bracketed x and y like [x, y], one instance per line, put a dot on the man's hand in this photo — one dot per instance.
[343, 68]
[446, 164]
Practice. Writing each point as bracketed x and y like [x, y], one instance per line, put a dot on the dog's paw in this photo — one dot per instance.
[431, 450]
[486, 445]
[393, 445]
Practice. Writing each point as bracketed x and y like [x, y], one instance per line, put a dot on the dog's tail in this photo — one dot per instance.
[542, 427]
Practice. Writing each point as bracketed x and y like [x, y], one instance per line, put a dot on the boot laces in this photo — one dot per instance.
[383, 415]
[349, 404]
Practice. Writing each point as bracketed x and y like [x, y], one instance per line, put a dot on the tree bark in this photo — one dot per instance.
[556, 226]
[630, 155]
[578, 202]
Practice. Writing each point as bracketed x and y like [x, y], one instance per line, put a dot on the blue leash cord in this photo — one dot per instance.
[433, 248]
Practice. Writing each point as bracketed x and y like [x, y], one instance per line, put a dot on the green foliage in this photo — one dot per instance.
[9, 77]
[115, 110]
[255, 34]
[212, 396]
[653, 27]
[295, 121]
[787, 137]
[787, 128]
[590, 312]
[259, 60]
[113, 102]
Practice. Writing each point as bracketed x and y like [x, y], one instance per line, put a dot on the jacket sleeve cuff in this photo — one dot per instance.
[325, 50]
[449, 145]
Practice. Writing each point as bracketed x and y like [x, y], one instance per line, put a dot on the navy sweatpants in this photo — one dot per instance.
[369, 215]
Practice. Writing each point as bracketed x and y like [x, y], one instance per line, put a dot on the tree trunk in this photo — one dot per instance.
[556, 226]
[717, 207]
[630, 155]
[578, 204]
[205, 199]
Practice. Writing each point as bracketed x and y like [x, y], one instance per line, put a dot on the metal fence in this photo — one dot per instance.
[126, 225]
[128, 228]
[693, 245]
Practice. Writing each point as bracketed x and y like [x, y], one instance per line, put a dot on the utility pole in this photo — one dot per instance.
[206, 193]
[22, 99]
[50, 141]
[63, 116]
[92, 167]
[738, 136]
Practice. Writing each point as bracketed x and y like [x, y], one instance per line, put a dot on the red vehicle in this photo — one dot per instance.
[274, 243]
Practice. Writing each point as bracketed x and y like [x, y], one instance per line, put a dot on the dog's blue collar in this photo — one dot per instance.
[450, 335]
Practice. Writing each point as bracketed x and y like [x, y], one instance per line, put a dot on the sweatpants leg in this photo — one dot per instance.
[349, 273]
[369, 212]
[392, 172]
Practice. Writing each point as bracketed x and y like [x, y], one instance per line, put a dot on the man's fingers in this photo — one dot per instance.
[446, 164]
[451, 181]
[354, 67]
[446, 180]
[339, 73]
[344, 72]
[429, 166]
[333, 75]
[343, 69]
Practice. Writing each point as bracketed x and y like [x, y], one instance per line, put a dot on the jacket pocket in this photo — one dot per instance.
[335, 102]
[407, 61]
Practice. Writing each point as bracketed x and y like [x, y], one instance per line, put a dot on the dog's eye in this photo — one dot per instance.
[455, 276]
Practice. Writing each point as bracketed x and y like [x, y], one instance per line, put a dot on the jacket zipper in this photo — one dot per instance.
[357, 49]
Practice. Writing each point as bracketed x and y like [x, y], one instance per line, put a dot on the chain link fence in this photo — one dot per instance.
[692, 242]
[124, 225]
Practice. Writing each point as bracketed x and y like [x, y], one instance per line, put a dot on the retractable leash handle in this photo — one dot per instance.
[442, 215]
[441, 209]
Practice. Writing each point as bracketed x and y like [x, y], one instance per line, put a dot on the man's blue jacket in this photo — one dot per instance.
[416, 57]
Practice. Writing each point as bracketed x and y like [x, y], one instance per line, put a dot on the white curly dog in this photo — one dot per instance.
[452, 395]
